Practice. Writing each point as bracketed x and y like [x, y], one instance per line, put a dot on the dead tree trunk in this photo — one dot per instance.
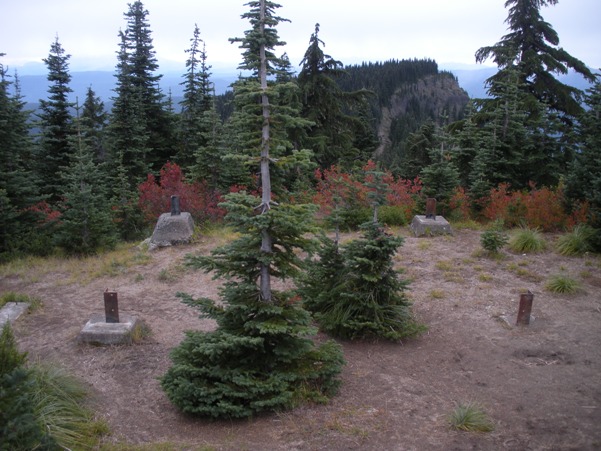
[266, 241]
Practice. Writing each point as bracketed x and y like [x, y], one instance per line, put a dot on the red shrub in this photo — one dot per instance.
[460, 204]
[337, 189]
[538, 208]
[195, 198]
[45, 213]
[404, 193]
[340, 189]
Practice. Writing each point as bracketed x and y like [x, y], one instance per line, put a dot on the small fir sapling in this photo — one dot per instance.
[354, 291]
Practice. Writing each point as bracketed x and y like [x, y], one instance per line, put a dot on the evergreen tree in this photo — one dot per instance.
[531, 48]
[440, 178]
[528, 57]
[417, 155]
[207, 161]
[584, 180]
[56, 123]
[18, 189]
[245, 130]
[93, 122]
[19, 425]
[197, 100]
[331, 137]
[355, 292]
[86, 223]
[260, 357]
[468, 138]
[141, 129]
[515, 146]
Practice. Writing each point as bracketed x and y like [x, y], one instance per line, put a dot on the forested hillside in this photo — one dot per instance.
[80, 176]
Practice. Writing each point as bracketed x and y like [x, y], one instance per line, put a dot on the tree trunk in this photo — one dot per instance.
[266, 242]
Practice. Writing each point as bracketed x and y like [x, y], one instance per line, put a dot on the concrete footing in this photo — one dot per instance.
[421, 225]
[172, 230]
[11, 311]
[97, 331]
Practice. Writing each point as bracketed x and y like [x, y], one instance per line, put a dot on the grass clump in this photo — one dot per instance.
[41, 407]
[11, 296]
[527, 241]
[437, 294]
[577, 242]
[470, 417]
[562, 284]
[141, 332]
[59, 399]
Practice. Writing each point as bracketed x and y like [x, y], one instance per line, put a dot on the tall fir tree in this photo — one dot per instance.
[441, 176]
[141, 130]
[18, 190]
[531, 48]
[332, 135]
[92, 124]
[417, 155]
[260, 357]
[529, 58]
[244, 131]
[196, 123]
[583, 183]
[86, 224]
[517, 146]
[55, 122]
[208, 166]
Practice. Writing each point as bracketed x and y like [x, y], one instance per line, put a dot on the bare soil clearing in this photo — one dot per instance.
[541, 384]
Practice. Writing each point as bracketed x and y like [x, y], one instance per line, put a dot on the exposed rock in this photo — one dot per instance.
[172, 230]
[433, 95]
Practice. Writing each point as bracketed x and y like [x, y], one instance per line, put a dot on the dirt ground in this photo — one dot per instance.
[540, 384]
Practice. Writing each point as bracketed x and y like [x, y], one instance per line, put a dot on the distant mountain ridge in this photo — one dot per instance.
[35, 87]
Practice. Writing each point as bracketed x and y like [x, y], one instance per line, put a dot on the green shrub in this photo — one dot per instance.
[351, 218]
[392, 215]
[562, 284]
[527, 241]
[354, 292]
[470, 417]
[577, 242]
[494, 239]
[10, 357]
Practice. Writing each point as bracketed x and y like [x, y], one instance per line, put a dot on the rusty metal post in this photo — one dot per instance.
[431, 208]
[111, 306]
[175, 211]
[525, 308]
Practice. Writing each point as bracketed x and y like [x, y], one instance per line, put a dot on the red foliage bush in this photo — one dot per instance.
[45, 213]
[195, 198]
[336, 188]
[541, 208]
[460, 205]
[404, 193]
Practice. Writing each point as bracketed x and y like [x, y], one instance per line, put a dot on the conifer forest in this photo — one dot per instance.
[77, 176]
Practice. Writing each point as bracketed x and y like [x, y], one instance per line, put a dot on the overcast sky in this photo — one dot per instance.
[448, 31]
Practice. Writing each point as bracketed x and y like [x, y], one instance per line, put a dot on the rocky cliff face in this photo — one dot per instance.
[433, 97]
